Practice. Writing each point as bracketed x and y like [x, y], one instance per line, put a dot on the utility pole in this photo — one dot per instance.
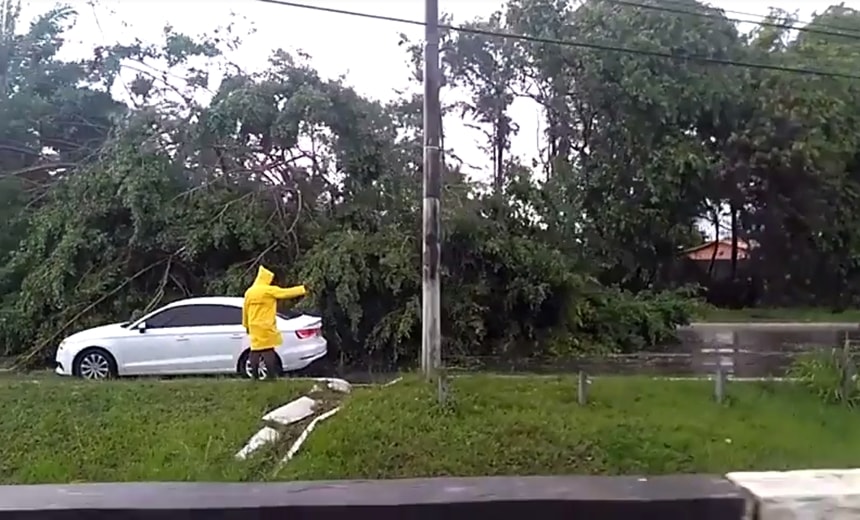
[431, 338]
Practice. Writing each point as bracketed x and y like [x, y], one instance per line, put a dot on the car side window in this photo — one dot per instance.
[163, 319]
[211, 315]
[196, 316]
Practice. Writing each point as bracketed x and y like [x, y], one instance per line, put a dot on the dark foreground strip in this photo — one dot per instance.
[688, 497]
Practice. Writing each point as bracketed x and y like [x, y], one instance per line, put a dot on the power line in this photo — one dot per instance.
[713, 16]
[575, 44]
[681, 3]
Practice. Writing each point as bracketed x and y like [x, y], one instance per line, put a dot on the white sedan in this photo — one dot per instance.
[193, 336]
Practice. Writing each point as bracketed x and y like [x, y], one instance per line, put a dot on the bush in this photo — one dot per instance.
[505, 296]
[613, 320]
[830, 375]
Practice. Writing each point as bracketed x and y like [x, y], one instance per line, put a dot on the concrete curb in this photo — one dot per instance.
[772, 325]
[704, 377]
[392, 382]
[304, 436]
[729, 377]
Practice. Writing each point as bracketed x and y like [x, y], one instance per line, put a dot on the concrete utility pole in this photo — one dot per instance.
[431, 338]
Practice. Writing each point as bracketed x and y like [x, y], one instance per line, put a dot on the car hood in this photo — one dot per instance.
[105, 331]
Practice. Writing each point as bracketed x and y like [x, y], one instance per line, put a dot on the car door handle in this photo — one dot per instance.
[182, 338]
[237, 336]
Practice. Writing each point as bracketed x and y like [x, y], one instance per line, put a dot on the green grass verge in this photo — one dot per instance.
[188, 430]
[60, 430]
[522, 426]
[799, 315]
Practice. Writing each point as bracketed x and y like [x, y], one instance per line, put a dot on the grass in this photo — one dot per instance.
[60, 430]
[784, 315]
[522, 426]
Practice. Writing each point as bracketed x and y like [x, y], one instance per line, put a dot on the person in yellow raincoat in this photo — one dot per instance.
[259, 312]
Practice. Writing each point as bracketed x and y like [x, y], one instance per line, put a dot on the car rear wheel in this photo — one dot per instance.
[245, 367]
[95, 364]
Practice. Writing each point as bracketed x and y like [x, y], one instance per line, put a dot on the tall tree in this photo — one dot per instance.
[487, 67]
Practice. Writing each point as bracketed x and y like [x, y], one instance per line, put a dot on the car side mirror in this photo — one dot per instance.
[141, 327]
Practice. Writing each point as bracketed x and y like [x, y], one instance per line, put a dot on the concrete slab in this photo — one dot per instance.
[823, 494]
[336, 385]
[292, 412]
[265, 436]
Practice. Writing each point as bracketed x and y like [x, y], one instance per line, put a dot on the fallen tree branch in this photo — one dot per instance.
[25, 359]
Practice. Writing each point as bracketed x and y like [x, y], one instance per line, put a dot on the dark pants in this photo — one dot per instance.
[269, 358]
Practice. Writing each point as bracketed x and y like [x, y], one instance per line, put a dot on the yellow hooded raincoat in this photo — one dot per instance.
[261, 307]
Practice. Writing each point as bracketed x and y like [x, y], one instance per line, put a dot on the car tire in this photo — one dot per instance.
[243, 369]
[95, 364]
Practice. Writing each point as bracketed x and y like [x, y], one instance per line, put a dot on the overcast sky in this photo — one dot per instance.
[365, 51]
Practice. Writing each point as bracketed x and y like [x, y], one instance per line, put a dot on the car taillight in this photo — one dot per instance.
[307, 333]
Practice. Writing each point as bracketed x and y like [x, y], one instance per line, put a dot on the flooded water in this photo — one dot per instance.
[743, 350]
[761, 350]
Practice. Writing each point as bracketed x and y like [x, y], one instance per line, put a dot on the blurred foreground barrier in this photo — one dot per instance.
[688, 497]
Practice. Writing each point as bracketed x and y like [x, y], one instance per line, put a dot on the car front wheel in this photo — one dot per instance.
[95, 364]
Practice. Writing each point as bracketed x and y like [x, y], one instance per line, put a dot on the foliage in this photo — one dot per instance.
[617, 320]
[185, 184]
[533, 426]
[829, 375]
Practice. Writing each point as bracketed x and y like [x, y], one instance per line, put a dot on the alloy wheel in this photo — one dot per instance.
[94, 365]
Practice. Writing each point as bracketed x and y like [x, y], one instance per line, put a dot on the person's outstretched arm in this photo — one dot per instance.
[286, 293]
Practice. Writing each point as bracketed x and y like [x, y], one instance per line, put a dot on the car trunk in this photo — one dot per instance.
[300, 322]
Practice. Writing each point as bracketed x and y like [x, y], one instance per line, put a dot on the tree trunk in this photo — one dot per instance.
[716, 243]
[498, 158]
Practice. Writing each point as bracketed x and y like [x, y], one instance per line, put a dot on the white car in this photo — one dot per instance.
[193, 336]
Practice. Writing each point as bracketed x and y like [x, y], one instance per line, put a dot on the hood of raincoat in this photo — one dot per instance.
[264, 276]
